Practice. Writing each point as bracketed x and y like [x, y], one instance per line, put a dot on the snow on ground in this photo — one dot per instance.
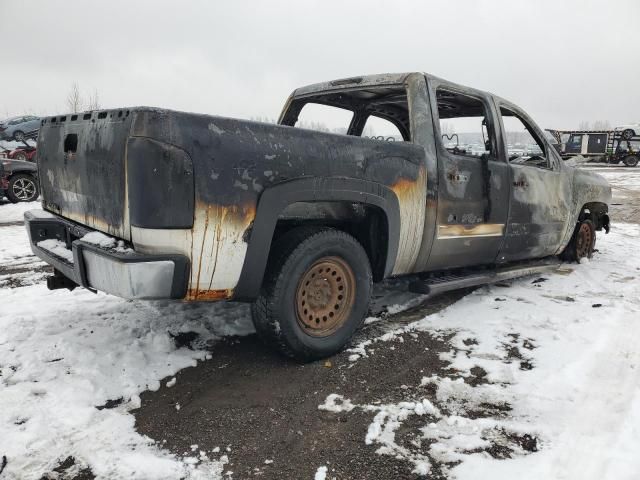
[73, 364]
[551, 367]
[60, 362]
[14, 212]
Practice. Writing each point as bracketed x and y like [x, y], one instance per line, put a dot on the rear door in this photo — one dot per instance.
[540, 191]
[473, 188]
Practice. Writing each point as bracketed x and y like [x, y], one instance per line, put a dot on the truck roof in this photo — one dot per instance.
[359, 81]
[380, 79]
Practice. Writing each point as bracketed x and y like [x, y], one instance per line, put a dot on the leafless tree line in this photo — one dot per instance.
[76, 102]
[597, 125]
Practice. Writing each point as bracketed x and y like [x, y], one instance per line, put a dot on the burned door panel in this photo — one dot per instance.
[541, 192]
[472, 184]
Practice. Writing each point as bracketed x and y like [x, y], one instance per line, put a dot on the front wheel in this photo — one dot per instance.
[22, 188]
[631, 160]
[315, 293]
[18, 136]
[582, 242]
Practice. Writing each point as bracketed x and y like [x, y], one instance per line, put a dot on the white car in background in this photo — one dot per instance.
[629, 131]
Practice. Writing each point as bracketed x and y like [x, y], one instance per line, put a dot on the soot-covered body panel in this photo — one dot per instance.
[218, 191]
[236, 161]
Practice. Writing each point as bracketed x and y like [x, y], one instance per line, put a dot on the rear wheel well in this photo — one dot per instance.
[366, 223]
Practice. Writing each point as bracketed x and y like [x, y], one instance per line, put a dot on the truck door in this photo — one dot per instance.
[574, 145]
[540, 191]
[473, 188]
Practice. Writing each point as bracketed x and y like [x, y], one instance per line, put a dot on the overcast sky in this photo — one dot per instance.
[562, 61]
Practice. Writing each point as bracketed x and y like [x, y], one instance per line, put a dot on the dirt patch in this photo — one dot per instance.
[263, 407]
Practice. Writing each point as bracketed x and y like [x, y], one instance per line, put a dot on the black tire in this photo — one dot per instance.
[277, 313]
[631, 160]
[628, 134]
[18, 135]
[582, 242]
[21, 156]
[22, 188]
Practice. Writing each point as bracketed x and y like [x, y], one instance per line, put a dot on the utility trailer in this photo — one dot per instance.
[609, 146]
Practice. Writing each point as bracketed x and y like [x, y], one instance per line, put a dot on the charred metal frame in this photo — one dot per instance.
[217, 192]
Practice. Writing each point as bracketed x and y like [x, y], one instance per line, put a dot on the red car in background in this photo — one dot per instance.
[25, 153]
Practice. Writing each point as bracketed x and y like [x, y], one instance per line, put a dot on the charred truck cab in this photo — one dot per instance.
[151, 203]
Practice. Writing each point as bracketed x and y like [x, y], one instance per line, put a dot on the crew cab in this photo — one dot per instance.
[151, 203]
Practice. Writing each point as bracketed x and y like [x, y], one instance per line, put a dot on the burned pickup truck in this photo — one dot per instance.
[150, 203]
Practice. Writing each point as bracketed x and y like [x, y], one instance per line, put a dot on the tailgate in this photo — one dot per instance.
[81, 163]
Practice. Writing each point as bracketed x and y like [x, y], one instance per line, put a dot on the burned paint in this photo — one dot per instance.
[466, 231]
[208, 295]
[411, 198]
[442, 210]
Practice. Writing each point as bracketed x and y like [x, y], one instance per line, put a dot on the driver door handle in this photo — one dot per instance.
[455, 177]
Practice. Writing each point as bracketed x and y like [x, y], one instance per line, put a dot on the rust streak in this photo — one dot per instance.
[204, 236]
[208, 295]
[218, 237]
[404, 187]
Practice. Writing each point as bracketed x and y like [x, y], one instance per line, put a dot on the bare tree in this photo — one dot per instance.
[583, 125]
[602, 125]
[94, 101]
[74, 99]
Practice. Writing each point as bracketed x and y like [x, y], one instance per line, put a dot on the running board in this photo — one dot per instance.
[454, 281]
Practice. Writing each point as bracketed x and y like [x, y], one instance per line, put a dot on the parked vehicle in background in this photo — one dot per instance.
[19, 128]
[629, 131]
[19, 181]
[609, 146]
[301, 222]
[24, 152]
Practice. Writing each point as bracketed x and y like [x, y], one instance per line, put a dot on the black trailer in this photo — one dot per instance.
[609, 146]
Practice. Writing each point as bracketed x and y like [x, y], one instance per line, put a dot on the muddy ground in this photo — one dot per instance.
[263, 407]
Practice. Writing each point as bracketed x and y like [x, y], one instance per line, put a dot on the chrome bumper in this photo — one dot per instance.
[128, 275]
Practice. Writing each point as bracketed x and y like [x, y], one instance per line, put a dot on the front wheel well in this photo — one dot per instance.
[597, 212]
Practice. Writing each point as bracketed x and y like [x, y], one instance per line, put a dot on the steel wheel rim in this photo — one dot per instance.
[325, 296]
[584, 241]
[24, 189]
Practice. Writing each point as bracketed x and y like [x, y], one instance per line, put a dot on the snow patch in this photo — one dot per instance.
[58, 248]
[321, 473]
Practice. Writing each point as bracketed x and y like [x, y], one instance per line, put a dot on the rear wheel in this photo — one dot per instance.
[315, 293]
[18, 135]
[21, 156]
[582, 242]
[628, 134]
[631, 160]
[22, 188]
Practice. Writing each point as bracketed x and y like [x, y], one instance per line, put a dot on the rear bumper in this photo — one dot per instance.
[125, 274]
